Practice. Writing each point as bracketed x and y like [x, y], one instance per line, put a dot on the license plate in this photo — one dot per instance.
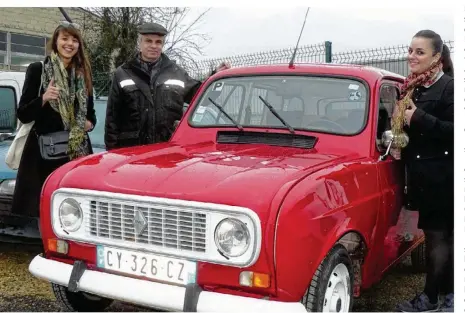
[165, 269]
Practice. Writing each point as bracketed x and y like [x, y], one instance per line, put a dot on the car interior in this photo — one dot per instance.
[321, 104]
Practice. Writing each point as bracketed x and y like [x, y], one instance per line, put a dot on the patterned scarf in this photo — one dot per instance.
[411, 82]
[71, 90]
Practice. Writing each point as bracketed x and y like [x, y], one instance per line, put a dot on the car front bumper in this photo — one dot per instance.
[153, 294]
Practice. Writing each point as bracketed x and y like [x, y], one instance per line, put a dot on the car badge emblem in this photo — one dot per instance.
[140, 223]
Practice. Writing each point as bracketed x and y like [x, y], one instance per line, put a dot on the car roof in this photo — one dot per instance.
[366, 72]
[12, 75]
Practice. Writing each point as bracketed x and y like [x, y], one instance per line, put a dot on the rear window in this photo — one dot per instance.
[321, 104]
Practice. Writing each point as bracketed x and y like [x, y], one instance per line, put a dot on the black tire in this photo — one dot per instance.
[314, 298]
[419, 258]
[79, 301]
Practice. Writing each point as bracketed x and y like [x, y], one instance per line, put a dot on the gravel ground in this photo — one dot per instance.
[20, 291]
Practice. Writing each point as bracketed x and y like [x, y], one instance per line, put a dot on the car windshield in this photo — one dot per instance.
[97, 135]
[321, 104]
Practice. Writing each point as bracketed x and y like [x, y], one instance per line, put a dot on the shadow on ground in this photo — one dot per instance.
[20, 291]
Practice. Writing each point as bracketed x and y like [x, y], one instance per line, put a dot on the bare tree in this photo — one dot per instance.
[117, 32]
[113, 39]
[184, 43]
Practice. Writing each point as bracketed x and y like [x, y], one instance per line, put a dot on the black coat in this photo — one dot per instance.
[429, 156]
[33, 170]
[142, 110]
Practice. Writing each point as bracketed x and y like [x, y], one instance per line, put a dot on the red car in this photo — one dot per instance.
[276, 192]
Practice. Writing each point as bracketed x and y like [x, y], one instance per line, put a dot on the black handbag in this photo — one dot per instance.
[54, 146]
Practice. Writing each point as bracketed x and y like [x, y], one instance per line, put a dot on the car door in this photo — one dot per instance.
[397, 226]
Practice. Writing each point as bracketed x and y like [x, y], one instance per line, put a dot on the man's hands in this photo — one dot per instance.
[223, 66]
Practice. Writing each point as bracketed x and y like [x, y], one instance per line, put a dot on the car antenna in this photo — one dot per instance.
[65, 15]
[291, 64]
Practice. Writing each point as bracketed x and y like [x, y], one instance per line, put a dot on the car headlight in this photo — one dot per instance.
[70, 214]
[232, 237]
[7, 187]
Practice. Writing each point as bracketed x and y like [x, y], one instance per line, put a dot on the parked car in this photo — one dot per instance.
[276, 192]
[13, 227]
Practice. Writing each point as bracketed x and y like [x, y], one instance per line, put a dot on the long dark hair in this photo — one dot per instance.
[80, 60]
[439, 47]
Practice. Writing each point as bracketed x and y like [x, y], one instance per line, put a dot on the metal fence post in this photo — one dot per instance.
[328, 52]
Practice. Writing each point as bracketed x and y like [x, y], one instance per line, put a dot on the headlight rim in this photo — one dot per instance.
[249, 237]
[81, 212]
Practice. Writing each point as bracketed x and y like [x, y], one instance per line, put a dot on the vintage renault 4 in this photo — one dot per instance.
[276, 192]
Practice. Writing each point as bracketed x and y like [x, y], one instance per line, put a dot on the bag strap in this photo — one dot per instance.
[41, 77]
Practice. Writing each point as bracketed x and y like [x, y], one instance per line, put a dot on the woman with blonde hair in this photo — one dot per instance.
[57, 98]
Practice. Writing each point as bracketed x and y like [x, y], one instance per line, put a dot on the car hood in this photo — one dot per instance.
[240, 175]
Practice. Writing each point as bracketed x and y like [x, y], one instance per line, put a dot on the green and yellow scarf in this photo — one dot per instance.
[71, 103]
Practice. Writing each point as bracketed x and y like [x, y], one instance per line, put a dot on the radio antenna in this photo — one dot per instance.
[291, 64]
[65, 15]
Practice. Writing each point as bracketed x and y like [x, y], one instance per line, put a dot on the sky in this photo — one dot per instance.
[239, 30]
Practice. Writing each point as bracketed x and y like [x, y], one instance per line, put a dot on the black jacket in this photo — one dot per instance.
[33, 170]
[141, 111]
[429, 156]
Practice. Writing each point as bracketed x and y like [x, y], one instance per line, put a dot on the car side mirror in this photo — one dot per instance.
[389, 142]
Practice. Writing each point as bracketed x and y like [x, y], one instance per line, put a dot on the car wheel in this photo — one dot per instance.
[419, 258]
[79, 301]
[331, 288]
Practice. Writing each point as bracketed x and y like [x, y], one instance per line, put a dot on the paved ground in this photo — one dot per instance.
[20, 291]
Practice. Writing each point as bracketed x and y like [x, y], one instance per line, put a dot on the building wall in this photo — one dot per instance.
[25, 31]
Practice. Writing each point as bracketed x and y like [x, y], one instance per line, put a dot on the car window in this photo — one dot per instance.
[322, 104]
[7, 109]
[387, 100]
[97, 135]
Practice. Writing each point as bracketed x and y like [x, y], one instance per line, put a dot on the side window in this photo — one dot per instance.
[7, 109]
[387, 101]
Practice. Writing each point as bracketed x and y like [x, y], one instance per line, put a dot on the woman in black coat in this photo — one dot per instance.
[62, 102]
[426, 113]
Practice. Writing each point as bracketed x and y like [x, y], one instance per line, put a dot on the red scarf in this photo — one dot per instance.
[426, 78]
[411, 82]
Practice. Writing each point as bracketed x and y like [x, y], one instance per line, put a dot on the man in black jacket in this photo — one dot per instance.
[147, 94]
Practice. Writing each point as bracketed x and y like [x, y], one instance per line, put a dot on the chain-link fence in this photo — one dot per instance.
[393, 59]
[318, 53]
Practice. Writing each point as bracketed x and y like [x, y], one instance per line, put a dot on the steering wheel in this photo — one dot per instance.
[326, 122]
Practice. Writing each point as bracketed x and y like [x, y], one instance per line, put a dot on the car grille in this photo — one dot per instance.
[166, 226]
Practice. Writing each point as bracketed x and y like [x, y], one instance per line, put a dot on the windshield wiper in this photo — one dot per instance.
[277, 115]
[226, 114]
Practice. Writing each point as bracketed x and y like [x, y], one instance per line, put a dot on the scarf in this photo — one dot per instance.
[72, 91]
[151, 68]
[412, 81]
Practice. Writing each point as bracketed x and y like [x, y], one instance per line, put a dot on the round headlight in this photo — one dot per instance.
[232, 237]
[70, 214]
